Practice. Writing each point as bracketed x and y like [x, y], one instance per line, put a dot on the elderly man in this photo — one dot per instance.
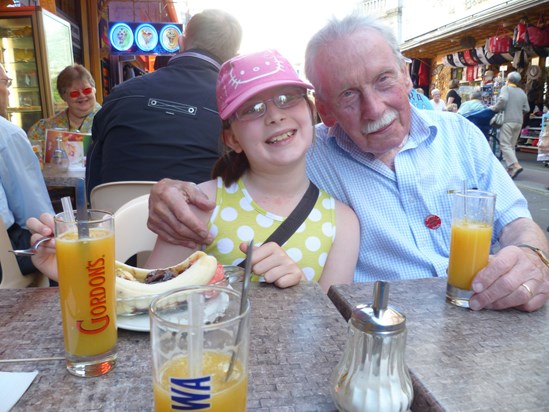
[394, 165]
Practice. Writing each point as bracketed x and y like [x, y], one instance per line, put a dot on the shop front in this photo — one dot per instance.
[480, 50]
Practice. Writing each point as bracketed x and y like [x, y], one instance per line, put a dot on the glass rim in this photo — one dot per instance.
[475, 193]
[106, 215]
[153, 310]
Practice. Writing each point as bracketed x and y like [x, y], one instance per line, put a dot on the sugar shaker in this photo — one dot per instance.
[372, 374]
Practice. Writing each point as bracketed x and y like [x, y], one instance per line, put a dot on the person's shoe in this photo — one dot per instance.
[514, 172]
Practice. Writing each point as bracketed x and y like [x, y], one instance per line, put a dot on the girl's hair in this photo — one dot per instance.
[454, 84]
[232, 165]
[70, 74]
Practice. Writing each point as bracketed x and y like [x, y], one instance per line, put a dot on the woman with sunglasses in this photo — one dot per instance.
[76, 87]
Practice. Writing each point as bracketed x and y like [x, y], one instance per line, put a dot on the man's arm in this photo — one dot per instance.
[516, 276]
[170, 216]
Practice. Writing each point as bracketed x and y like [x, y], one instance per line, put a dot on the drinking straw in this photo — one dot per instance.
[196, 333]
[81, 209]
[68, 212]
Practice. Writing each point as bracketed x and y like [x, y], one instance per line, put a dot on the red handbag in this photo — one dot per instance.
[500, 43]
[539, 34]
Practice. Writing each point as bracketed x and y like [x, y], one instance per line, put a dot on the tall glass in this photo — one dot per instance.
[472, 221]
[85, 262]
[196, 334]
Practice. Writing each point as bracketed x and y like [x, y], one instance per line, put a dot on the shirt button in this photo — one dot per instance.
[432, 222]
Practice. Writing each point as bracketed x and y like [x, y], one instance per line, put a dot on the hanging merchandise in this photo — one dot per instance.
[457, 60]
[520, 34]
[448, 60]
[538, 34]
[470, 76]
[481, 54]
[475, 57]
[467, 55]
[500, 43]
[520, 61]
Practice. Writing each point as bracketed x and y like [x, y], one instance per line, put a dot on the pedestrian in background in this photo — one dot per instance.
[473, 105]
[452, 96]
[436, 101]
[512, 100]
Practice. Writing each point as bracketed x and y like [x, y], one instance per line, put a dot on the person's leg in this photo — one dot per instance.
[506, 146]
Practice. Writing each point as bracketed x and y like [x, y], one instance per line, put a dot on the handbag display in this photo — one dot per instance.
[500, 43]
[497, 120]
[538, 34]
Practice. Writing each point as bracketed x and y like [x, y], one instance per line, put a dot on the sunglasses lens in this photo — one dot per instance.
[75, 93]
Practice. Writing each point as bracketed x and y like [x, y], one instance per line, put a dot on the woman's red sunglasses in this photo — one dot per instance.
[85, 92]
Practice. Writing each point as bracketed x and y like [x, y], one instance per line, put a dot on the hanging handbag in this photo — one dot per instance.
[497, 120]
[500, 43]
[294, 219]
[539, 34]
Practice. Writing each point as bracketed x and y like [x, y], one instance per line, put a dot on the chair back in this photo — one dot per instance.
[11, 273]
[132, 236]
[110, 196]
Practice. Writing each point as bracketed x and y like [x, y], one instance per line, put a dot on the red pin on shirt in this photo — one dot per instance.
[432, 222]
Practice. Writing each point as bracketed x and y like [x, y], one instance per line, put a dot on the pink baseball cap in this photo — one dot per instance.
[246, 75]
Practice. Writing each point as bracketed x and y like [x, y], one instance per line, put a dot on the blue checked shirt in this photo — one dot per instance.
[443, 150]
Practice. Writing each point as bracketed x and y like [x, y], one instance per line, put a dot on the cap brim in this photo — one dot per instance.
[241, 98]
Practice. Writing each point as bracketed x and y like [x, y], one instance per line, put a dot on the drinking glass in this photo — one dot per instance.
[472, 221]
[85, 262]
[200, 343]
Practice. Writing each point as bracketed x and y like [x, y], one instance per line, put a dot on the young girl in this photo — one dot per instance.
[268, 129]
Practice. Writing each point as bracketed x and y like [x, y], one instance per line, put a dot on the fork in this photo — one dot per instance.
[33, 249]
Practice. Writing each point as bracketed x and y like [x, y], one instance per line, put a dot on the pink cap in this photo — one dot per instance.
[246, 75]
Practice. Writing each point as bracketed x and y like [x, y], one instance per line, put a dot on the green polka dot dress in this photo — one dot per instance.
[237, 218]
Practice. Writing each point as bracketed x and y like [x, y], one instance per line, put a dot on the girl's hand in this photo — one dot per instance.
[45, 260]
[272, 262]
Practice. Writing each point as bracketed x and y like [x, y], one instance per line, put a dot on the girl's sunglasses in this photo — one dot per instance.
[76, 93]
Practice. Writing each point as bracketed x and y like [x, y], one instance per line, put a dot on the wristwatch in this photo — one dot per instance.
[538, 252]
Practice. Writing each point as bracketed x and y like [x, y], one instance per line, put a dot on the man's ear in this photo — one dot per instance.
[181, 42]
[407, 80]
[230, 140]
[325, 114]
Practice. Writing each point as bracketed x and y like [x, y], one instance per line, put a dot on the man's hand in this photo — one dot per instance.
[45, 259]
[514, 278]
[170, 216]
[272, 263]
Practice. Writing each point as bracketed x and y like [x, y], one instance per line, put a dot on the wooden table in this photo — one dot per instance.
[297, 338]
[464, 360]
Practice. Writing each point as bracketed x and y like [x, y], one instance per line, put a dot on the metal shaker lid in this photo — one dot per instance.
[378, 318]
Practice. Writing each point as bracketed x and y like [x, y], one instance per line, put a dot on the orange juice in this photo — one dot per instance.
[172, 393]
[469, 251]
[86, 285]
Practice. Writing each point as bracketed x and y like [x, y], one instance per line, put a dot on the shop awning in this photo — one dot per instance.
[479, 26]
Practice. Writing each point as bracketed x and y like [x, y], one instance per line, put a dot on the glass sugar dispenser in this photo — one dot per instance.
[372, 375]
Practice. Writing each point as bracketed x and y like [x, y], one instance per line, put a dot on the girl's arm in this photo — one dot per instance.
[167, 254]
[341, 262]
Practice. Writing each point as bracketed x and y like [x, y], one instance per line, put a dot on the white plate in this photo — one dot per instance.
[138, 323]
[141, 323]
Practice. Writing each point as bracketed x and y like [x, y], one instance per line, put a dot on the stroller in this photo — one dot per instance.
[481, 119]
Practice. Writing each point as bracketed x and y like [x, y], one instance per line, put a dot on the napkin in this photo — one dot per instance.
[12, 386]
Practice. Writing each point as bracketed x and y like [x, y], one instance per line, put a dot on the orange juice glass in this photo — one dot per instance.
[194, 341]
[85, 263]
[472, 221]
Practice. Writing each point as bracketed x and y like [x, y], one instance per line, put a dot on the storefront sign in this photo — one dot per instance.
[144, 38]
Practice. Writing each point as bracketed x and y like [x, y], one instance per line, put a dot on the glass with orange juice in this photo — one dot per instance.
[85, 262]
[472, 221]
[194, 341]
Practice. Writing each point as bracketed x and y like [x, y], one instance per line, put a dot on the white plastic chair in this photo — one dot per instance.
[110, 196]
[132, 236]
[11, 273]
